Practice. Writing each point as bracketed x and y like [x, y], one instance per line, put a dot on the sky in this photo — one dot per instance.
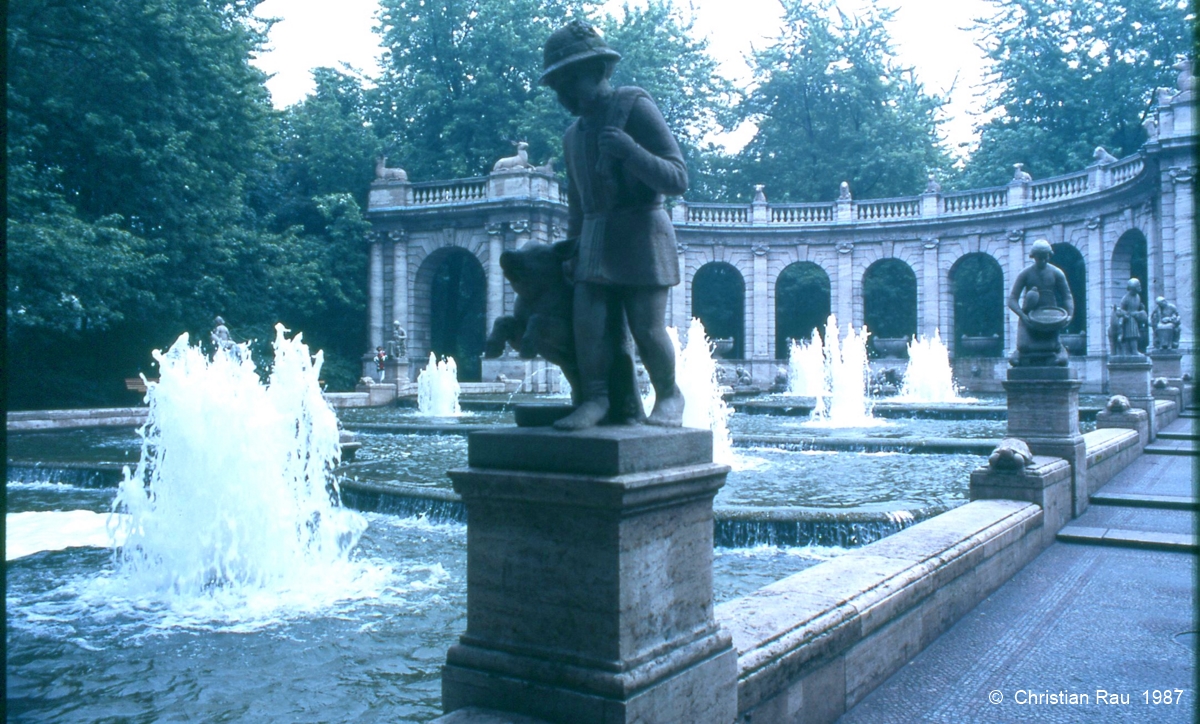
[929, 35]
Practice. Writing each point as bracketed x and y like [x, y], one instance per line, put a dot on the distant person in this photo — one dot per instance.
[381, 362]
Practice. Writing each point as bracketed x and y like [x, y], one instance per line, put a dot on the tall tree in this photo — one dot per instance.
[832, 104]
[459, 84]
[660, 53]
[1073, 75]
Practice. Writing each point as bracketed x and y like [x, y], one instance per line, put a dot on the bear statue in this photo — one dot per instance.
[541, 323]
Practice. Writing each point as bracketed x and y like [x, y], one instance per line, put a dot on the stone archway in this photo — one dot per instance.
[802, 303]
[977, 285]
[452, 288]
[1130, 261]
[1068, 258]
[719, 301]
[889, 290]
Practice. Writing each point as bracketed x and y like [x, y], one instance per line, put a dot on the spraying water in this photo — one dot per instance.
[839, 382]
[696, 375]
[233, 493]
[437, 388]
[929, 377]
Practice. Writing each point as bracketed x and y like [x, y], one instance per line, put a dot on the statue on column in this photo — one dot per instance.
[398, 344]
[1129, 322]
[1166, 323]
[622, 160]
[1042, 301]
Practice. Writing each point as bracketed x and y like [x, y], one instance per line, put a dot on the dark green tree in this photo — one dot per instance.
[1073, 75]
[831, 104]
[459, 84]
[660, 54]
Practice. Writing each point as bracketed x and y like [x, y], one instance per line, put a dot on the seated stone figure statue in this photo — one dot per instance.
[1166, 322]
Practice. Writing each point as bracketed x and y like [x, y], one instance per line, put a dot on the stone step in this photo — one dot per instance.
[1165, 435]
[1140, 500]
[1186, 448]
[1120, 538]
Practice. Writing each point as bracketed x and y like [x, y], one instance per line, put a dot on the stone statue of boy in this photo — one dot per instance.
[621, 160]
[1044, 286]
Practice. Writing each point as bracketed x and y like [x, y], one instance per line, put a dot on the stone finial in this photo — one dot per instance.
[1020, 174]
[383, 173]
[1159, 383]
[1118, 404]
[844, 191]
[1010, 455]
[932, 186]
[759, 196]
[1102, 156]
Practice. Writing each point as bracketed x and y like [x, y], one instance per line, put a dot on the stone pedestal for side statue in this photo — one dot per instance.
[1167, 363]
[1131, 419]
[589, 578]
[1129, 375]
[1043, 410]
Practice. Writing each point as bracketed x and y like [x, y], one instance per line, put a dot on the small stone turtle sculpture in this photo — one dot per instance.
[1012, 454]
[1160, 383]
[1118, 403]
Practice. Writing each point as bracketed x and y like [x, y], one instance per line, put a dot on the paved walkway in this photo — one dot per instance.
[1081, 619]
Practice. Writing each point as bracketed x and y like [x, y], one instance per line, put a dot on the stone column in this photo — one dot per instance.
[1043, 410]
[1097, 267]
[762, 336]
[931, 299]
[1129, 375]
[400, 280]
[1016, 263]
[589, 579]
[495, 275]
[1185, 254]
[375, 293]
[845, 282]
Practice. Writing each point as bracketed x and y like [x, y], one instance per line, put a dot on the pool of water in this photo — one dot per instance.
[76, 652]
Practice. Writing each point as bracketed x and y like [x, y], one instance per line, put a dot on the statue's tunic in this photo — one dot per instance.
[616, 207]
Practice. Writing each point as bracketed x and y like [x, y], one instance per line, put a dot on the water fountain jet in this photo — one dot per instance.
[437, 388]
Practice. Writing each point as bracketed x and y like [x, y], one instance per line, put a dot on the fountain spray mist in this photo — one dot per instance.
[234, 488]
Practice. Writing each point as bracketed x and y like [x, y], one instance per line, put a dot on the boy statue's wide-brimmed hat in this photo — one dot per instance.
[574, 42]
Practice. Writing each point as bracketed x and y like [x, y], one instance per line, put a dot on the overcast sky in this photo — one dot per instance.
[929, 35]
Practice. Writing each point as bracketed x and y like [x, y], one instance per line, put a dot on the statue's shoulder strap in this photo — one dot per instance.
[625, 97]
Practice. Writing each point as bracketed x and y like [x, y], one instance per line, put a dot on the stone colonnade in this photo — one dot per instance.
[1100, 211]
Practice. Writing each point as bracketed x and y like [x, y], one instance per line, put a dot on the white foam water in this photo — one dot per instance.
[232, 514]
[438, 389]
[696, 374]
[929, 377]
[55, 530]
[838, 383]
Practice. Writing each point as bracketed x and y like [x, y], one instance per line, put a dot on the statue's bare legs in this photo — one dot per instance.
[599, 314]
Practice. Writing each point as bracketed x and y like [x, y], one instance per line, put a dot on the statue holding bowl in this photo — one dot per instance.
[1042, 301]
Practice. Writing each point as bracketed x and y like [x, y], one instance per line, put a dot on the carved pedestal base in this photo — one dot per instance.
[1130, 376]
[589, 578]
[1043, 410]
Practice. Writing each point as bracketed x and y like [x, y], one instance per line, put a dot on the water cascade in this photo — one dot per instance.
[696, 375]
[437, 388]
[929, 377]
[233, 495]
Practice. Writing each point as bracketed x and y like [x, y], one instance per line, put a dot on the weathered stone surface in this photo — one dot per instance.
[589, 597]
[1109, 451]
[814, 643]
[616, 450]
[1043, 410]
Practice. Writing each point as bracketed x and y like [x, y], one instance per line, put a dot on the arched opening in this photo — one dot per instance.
[719, 300]
[977, 283]
[458, 310]
[1068, 258]
[1129, 261]
[890, 300]
[802, 304]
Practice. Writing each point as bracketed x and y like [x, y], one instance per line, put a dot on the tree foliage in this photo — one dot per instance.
[832, 105]
[1072, 75]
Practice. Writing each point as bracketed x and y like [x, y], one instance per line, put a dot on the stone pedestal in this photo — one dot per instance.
[1045, 481]
[589, 578]
[1167, 363]
[1132, 419]
[1043, 410]
[1130, 376]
